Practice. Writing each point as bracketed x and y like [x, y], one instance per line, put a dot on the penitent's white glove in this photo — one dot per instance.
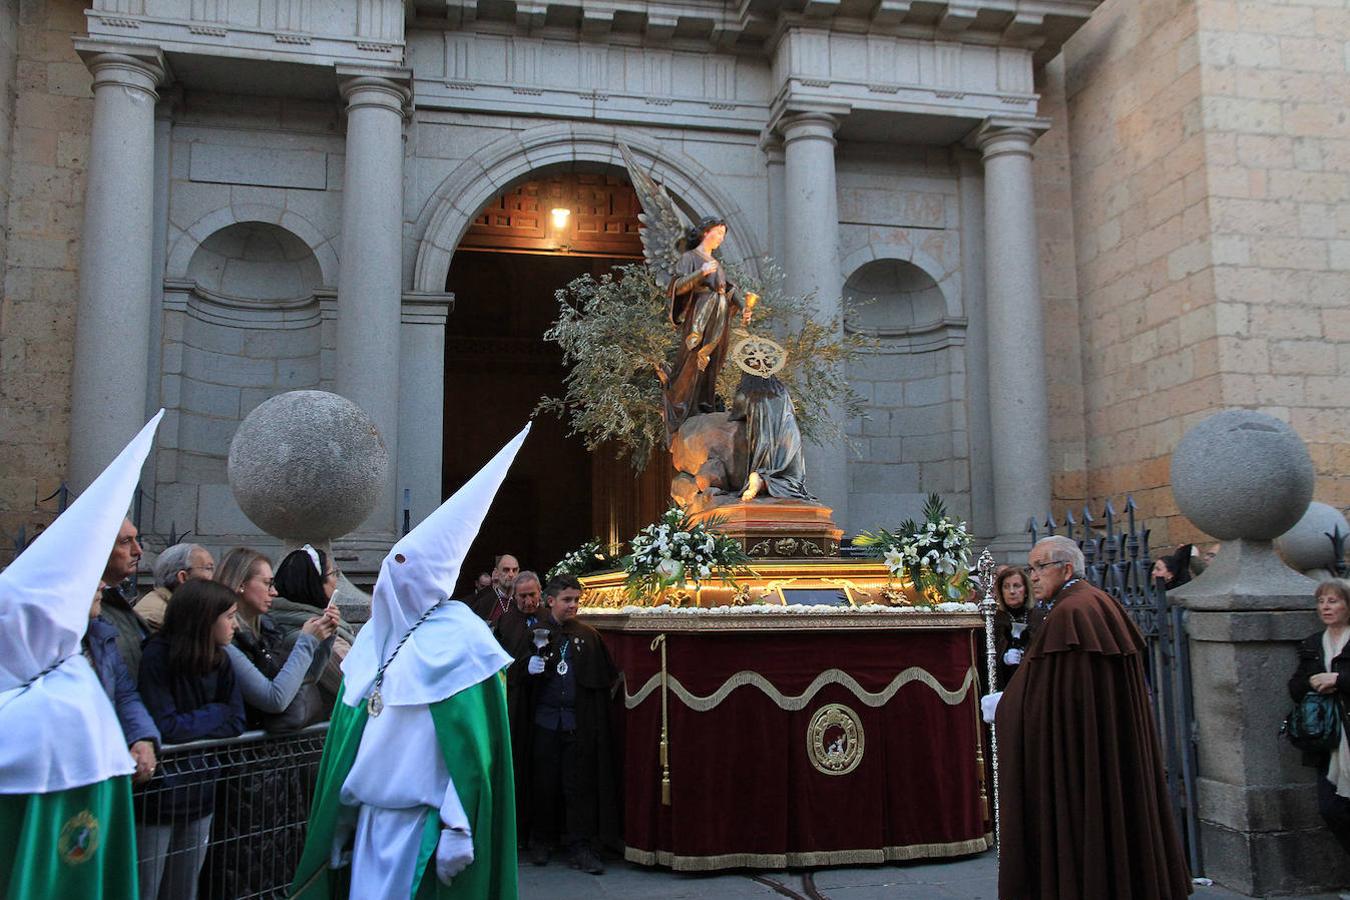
[1012, 657]
[988, 704]
[343, 831]
[536, 666]
[454, 853]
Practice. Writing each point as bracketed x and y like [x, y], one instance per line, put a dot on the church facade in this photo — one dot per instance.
[1081, 226]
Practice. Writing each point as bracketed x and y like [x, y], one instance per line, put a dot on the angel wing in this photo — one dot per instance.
[663, 226]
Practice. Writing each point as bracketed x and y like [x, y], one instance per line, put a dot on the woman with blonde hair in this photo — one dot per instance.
[1324, 667]
[270, 678]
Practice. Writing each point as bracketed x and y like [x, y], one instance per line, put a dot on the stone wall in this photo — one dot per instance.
[1059, 295]
[1277, 140]
[900, 248]
[1150, 355]
[1209, 167]
[45, 181]
[9, 57]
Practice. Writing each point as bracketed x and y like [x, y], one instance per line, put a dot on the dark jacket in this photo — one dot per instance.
[489, 604]
[596, 758]
[101, 643]
[1309, 664]
[515, 632]
[131, 628]
[1005, 641]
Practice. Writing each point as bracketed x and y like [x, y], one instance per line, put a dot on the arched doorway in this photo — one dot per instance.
[504, 274]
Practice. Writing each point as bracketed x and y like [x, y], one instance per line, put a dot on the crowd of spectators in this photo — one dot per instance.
[217, 647]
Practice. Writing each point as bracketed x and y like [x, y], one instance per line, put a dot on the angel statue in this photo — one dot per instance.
[700, 301]
[760, 449]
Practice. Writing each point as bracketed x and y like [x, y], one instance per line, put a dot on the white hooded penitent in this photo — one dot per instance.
[452, 650]
[60, 730]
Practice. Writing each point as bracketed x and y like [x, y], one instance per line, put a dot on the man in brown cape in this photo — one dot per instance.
[1084, 810]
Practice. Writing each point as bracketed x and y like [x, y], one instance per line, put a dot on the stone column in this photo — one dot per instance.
[811, 263]
[421, 404]
[1019, 413]
[112, 328]
[775, 161]
[370, 276]
[971, 187]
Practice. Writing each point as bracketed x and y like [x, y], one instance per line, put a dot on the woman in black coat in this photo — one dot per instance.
[188, 686]
[1324, 667]
[1015, 621]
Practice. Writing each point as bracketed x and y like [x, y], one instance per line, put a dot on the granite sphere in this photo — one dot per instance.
[1306, 546]
[1242, 474]
[307, 465]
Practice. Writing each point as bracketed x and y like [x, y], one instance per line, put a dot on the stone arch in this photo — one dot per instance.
[184, 248]
[948, 280]
[511, 158]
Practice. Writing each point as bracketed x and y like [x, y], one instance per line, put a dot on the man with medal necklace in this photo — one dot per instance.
[572, 748]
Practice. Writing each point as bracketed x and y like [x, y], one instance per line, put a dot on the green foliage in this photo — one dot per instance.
[933, 552]
[614, 334]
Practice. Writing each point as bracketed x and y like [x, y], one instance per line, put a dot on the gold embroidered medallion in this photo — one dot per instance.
[79, 838]
[834, 739]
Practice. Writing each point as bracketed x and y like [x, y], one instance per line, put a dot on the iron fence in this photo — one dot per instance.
[227, 817]
[1118, 560]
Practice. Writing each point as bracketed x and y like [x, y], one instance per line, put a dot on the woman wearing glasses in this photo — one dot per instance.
[270, 677]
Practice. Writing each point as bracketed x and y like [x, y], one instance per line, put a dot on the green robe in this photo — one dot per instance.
[79, 842]
[471, 728]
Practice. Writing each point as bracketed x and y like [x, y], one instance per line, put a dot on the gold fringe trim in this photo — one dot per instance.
[799, 702]
[810, 858]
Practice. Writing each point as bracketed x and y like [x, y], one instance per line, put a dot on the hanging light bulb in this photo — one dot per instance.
[560, 216]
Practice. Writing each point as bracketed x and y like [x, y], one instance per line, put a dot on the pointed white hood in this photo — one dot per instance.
[60, 728]
[453, 649]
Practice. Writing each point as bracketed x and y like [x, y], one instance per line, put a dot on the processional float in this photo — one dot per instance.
[794, 708]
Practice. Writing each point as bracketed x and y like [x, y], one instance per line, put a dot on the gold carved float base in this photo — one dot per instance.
[833, 582]
[772, 528]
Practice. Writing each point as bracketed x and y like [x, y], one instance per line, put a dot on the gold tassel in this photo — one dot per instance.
[660, 641]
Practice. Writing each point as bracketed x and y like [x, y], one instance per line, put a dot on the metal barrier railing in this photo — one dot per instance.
[225, 819]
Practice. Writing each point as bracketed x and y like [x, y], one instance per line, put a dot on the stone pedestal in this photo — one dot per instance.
[778, 529]
[1260, 833]
[1247, 477]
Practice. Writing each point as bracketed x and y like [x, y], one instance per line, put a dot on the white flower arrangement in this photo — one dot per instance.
[589, 557]
[935, 553]
[675, 550]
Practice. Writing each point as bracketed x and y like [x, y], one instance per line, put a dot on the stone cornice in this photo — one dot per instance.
[755, 26]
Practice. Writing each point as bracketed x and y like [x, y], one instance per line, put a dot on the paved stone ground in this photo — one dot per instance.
[973, 878]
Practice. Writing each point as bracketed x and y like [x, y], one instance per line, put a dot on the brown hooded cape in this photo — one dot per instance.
[1084, 811]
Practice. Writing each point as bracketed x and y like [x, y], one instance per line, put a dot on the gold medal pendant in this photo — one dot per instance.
[375, 705]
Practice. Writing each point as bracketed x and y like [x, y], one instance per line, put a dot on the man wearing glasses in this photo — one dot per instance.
[176, 565]
[1084, 805]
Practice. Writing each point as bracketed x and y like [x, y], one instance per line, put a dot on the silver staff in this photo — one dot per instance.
[988, 607]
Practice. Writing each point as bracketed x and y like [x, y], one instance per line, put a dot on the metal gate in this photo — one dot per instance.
[1118, 561]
